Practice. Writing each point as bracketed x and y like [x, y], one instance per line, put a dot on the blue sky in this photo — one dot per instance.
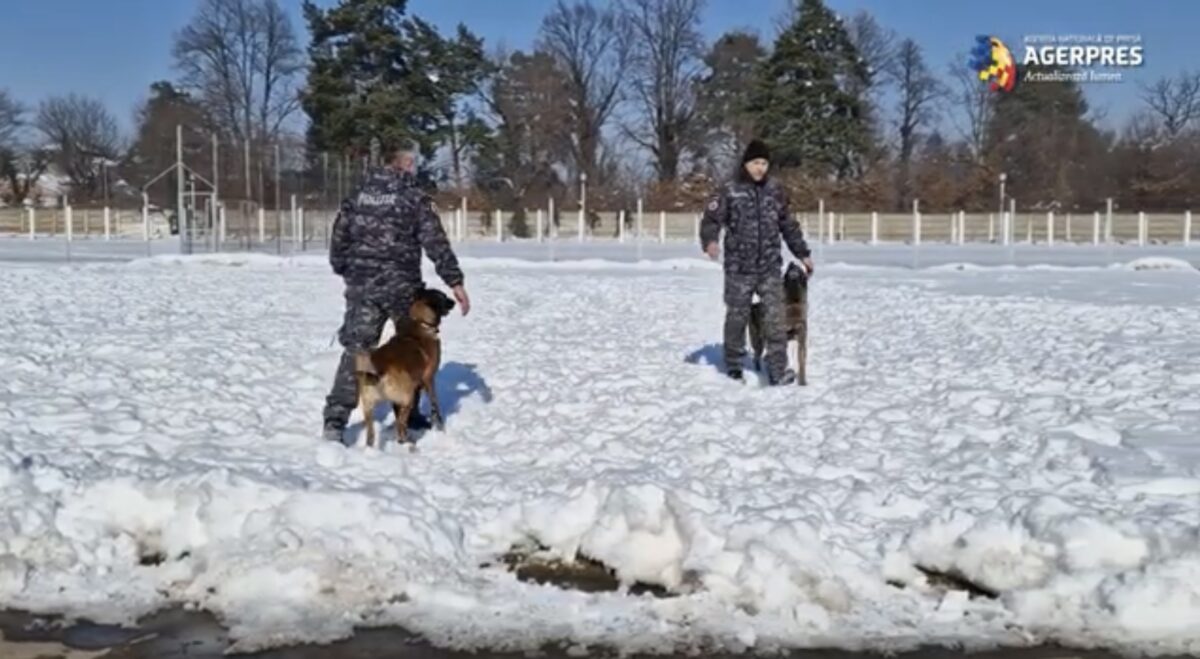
[114, 49]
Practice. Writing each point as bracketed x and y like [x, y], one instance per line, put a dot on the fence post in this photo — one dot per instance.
[874, 227]
[662, 226]
[1050, 229]
[1108, 221]
[1142, 229]
[641, 225]
[299, 226]
[832, 227]
[820, 220]
[841, 234]
[70, 224]
[499, 226]
[1069, 227]
[581, 211]
[553, 231]
[1187, 228]
[262, 225]
[221, 230]
[462, 219]
[145, 217]
[697, 232]
[539, 225]
[1096, 228]
[107, 223]
[293, 218]
[916, 234]
[962, 227]
[621, 226]
[32, 222]
[1005, 225]
[991, 228]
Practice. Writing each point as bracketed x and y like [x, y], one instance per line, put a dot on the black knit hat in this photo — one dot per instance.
[756, 149]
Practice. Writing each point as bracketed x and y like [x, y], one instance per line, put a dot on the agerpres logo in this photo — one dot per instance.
[1081, 57]
[1056, 58]
[992, 60]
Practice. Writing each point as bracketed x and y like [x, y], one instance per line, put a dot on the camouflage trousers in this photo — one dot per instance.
[368, 309]
[739, 294]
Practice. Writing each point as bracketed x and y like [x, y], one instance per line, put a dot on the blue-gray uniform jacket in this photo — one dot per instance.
[380, 231]
[755, 217]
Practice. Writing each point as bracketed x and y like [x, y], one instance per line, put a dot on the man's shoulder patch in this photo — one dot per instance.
[714, 204]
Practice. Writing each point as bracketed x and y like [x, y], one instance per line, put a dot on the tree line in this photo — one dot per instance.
[629, 97]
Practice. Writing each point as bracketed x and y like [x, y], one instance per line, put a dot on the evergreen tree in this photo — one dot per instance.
[1041, 137]
[377, 73]
[806, 102]
[723, 96]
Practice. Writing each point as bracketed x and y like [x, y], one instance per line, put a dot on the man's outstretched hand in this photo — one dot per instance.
[464, 302]
[808, 264]
[713, 250]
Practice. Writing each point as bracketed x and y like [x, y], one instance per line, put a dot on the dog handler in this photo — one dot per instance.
[376, 246]
[753, 211]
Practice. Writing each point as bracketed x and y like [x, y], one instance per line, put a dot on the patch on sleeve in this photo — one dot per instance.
[714, 204]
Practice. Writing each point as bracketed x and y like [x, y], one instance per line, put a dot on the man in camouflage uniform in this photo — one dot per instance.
[753, 211]
[376, 247]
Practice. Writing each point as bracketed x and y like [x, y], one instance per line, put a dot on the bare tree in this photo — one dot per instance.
[83, 138]
[876, 46]
[918, 91]
[592, 47]
[976, 106]
[1176, 102]
[240, 59]
[666, 65]
[21, 163]
[10, 118]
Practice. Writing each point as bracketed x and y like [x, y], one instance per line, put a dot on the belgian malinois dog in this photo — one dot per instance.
[795, 319]
[398, 370]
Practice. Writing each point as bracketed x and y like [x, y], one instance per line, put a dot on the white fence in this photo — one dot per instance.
[298, 228]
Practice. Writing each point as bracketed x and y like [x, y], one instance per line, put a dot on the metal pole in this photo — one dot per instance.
[216, 185]
[181, 213]
[278, 207]
[249, 195]
[1003, 178]
[582, 203]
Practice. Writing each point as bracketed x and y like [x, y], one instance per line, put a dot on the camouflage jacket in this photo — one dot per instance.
[755, 217]
[380, 231]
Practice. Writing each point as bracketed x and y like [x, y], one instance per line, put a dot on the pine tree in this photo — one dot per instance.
[377, 73]
[804, 101]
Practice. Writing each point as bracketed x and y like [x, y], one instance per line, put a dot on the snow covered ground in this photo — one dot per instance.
[1035, 429]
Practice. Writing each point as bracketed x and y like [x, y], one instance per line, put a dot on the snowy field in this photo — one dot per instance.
[1034, 429]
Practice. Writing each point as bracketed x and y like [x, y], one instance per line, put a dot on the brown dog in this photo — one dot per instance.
[795, 319]
[398, 370]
